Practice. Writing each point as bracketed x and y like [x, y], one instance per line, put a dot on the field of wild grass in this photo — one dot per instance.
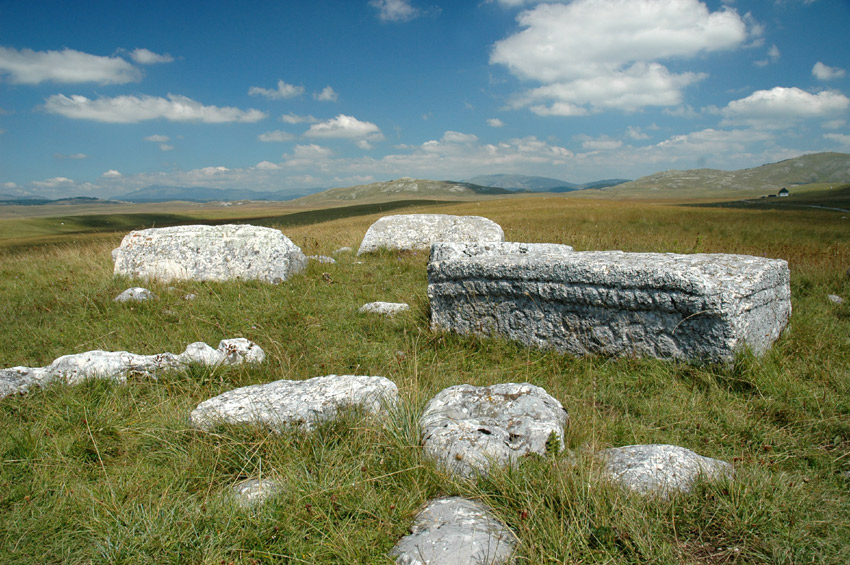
[105, 473]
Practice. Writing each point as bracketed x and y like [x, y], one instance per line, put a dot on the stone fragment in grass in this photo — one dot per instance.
[835, 299]
[209, 253]
[253, 492]
[455, 531]
[322, 259]
[703, 307]
[229, 352]
[384, 308]
[342, 250]
[661, 470]
[419, 231]
[466, 429]
[119, 365]
[135, 294]
[301, 405]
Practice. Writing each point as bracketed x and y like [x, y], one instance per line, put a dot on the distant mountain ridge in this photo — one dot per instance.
[538, 184]
[806, 169]
[403, 188]
[160, 193]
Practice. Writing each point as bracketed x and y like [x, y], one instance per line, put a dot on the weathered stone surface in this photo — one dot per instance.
[209, 253]
[467, 429]
[253, 492]
[301, 405]
[384, 308]
[661, 470]
[663, 305]
[229, 352]
[455, 531]
[446, 250]
[118, 365]
[419, 231]
[135, 294]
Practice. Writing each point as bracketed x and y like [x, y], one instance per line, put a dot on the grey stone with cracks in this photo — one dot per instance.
[702, 306]
[468, 429]
[209, 253]
[455, 531]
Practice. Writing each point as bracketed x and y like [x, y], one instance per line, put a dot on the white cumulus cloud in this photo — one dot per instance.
[781, 107]
[66, 66]
[823, 72]
[345, 127]
[592, 54]
[148, 57]
[296, 119]
[601, 144]
[157, 138]
[132, 109]
[275, 136]
[495, 123]
[267, 166]
[282, 91]
[394, 10]
[112, 174]
[840, 138]
[326, 95]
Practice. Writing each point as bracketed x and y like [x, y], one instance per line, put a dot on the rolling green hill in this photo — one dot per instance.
[405, 188]
[757, 181]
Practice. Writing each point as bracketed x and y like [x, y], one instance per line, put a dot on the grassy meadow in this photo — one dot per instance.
[108, 473]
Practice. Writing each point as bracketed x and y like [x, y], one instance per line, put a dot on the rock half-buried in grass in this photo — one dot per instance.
[467, 429]
[455, 531]
[301, 405]
[118, 365]
[661, 470]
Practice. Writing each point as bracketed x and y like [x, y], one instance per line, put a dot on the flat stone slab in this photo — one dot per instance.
[467, 429]
[446, 250]
[661, 470]
[419, 231]
[119, 365]
[135, 294]
[384, 308]
[702, 306]
[301, 405]
[455, 531]
[209, 253]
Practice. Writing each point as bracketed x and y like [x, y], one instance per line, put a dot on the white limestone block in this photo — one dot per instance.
[208, 253]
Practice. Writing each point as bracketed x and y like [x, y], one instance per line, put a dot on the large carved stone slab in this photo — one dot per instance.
[209, 253]
[661, 470]
[419, 231]
[282, 405]
[118, 365]
[455, 531]
[701, 306]
[468, 429]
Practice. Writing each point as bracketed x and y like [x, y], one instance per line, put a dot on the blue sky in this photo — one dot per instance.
[100, 99]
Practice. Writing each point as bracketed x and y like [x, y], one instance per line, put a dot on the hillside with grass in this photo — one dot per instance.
[405, 188]
[824, 168]
[108, 473]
